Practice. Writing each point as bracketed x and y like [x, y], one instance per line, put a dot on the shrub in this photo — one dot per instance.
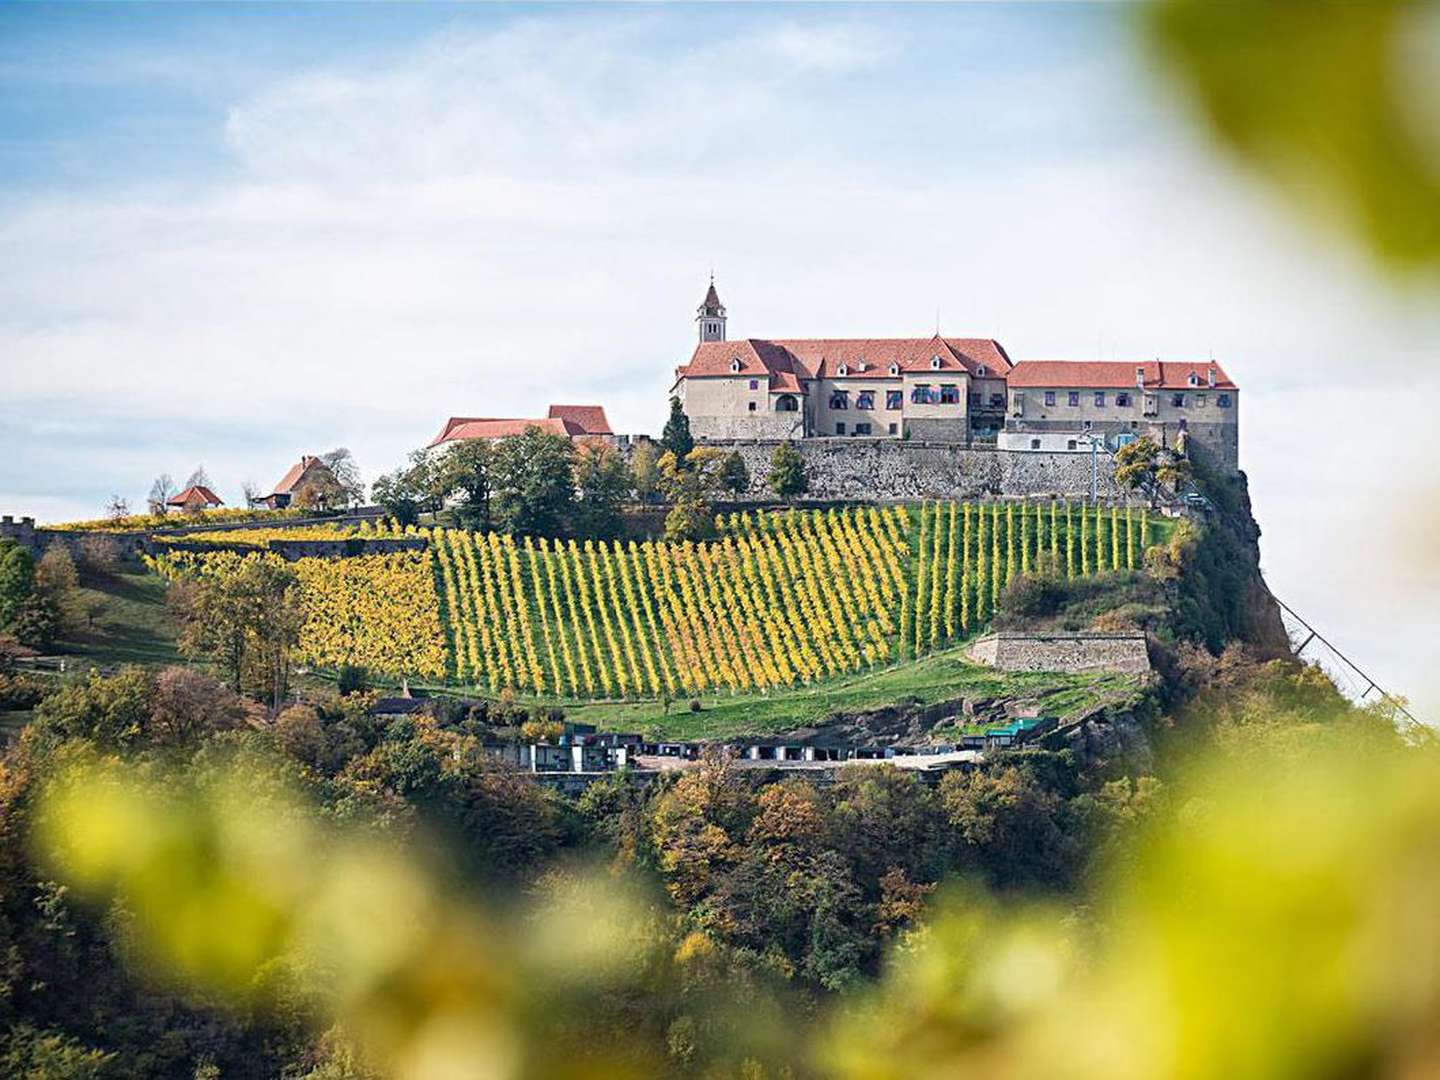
[694, 704]
[20, 692]
[1031, 596]
[351, 679]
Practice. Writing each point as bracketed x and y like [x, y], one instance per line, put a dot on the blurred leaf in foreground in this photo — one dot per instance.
[1337, 101]
[1280, 923]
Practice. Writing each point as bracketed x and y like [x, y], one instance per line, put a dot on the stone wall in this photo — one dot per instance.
[1011, 651]
[896, 469]
[290, 550]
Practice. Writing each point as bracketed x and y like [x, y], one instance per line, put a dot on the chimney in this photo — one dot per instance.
[1211, 375]
[1139, 378]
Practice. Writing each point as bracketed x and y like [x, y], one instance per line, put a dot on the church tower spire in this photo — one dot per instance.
[710, 315]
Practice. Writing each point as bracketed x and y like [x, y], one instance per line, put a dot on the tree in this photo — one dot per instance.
[188, 705]
[161, 492]
[349, 488]
[99, 554]
[246, 620]
[17, 579]
[533, 480]
[117, 509]
[689, 486]
[58, 584]
[411, 490]
[787, 472]
[645, 472]
[1144, 464]
[602, 482]
[252, 491]
[198, 478]
[676, 437]
[463, 470]
[734, 476]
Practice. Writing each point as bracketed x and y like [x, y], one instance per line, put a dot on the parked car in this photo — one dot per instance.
[1197, 501]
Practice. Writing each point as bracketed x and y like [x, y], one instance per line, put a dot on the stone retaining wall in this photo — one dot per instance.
[1012, 651]
[905, 469]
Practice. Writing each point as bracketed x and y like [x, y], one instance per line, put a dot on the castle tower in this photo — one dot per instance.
[710, 315]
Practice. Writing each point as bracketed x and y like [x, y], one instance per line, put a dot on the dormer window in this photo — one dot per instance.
[1194, 379]
[843, 369]
[981, 369]
[860, 365]
[735, 364]
[935, 363]
[894, 368]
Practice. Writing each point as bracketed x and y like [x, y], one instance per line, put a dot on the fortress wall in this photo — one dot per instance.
[905, 469]
[1044, 651]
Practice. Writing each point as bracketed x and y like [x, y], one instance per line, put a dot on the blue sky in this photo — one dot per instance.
[236, 233]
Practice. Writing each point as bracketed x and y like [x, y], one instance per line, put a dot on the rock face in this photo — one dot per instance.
[1060, 651]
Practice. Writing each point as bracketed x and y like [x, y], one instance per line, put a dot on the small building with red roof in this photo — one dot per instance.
[573, 421]
[195, 499]
[310, 473]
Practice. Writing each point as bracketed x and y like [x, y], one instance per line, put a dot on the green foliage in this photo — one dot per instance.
[17, 578]
[602, 484]
[462, 474]
[533, 480]
[676, 438]
[734, 476]
[787, 472]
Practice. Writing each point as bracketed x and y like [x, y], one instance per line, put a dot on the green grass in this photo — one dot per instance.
[130, 626]
[940, 677]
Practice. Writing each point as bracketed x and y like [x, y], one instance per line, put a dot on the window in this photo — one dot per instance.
[839, 429]
[997, 401]
[1123, 400]
[1087, 425]
[754, 384]
[752, 406]
[894, 398]
[894, 429]
[1099, 399]
[1034, 444]
[934, 363]
[1200, 401]
[786, 403]
[1050, 397]
[922, 395]
[1222, 401]
[894, 368]
[1178, 400]
[1070, 444]
[840, 399]
[977, 400]
[865, 399]
[862, 429]
[735, 364]
[1194, 379]
[949, 394]
[1074, 397]
[982, 370]
[843, 369]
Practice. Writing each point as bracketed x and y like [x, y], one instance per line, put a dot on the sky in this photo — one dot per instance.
[233, 234]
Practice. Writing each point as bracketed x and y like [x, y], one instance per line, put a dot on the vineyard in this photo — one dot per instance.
[778, 599]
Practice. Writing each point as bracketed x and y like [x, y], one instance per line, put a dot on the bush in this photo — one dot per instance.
[20, 692]
[1031, 596]
[99, 555]
[351, 679]
[694, 704]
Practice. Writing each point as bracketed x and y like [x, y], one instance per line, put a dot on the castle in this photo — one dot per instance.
[964, 391]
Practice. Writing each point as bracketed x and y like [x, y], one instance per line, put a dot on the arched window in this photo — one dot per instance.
[786, 403]
[735, 364]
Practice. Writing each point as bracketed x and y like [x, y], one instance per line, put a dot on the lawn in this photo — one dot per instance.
[130, 624]
[944, 676]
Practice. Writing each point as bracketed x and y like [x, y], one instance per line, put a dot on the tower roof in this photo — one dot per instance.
[711, 304]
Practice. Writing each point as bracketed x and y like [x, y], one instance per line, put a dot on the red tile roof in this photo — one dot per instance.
[589, 418]
[1118, 374]
[789, 361]
[195, 491]
[291, 478]
[468, 427]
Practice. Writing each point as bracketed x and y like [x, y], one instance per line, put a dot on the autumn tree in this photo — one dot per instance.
[689, 487]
